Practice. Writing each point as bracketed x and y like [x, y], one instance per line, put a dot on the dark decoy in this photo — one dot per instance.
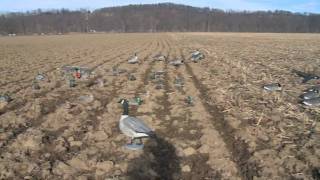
[306, 76]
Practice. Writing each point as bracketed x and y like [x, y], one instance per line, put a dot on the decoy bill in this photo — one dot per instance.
[133, 127]
[273, 87]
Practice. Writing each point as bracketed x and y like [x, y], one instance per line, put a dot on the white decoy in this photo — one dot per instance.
[311, 102]
[177, 62]
[273, 87]
[159, 57]
[133, 127]
[134, 59]
[196, 56]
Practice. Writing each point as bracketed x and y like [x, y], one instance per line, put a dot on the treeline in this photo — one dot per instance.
[165, 17]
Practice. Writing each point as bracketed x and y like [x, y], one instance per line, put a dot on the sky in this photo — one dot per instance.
[311, 6]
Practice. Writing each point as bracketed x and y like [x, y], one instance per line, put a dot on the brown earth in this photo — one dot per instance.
[233, 130]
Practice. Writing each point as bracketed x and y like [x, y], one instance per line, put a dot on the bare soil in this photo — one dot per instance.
[233, 130]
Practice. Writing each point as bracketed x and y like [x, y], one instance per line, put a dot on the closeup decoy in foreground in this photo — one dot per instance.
[310, 95]
[273, 87]
[134, 59]
[312, 102]
[133, 127]
[306, 76]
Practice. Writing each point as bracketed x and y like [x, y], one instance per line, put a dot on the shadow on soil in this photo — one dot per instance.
[158, 161]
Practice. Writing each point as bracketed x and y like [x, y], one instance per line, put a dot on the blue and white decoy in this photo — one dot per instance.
[310, 95]
[313, 88]
[196, 56]
[133, 127]
[273, 87]
[134, 59]
[312, 102]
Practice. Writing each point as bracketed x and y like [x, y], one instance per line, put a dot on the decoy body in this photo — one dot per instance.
[306, 76]
[133, 127]
[5, 98]
[314, 88]
[273, 87]
[134, 59]
[310, 95]
[196, 56]
[40, 77]
[312, 102]
[176, 63]
[159, 57]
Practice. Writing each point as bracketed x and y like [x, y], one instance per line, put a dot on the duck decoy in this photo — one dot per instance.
[71, 81]
[196, 56]
[306, 76]
[159, 57]
[40, 77]
[313, 88]
[273, 87]
[312, 102]
[5, 98]
[134, 59]
[310, 95]
[176, 63]
[133, 127]
[179, 82]
[189, 100]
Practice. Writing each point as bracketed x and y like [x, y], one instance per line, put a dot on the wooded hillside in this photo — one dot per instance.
[165, 17]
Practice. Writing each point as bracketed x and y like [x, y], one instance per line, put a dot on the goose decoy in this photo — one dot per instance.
[312, 102]
[134, 59]
[133, 127]
[310, 95]
[306, 76]
[273, 87]
[176, 63]
[314, 88]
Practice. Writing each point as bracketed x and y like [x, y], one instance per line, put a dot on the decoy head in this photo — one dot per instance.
[123, 101]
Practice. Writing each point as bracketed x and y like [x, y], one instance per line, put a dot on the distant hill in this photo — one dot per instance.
[164, 17]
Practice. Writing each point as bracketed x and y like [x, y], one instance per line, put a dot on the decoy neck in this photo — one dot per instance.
[125, 106]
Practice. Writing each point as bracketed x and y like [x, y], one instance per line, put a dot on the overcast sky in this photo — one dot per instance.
[290, 5]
